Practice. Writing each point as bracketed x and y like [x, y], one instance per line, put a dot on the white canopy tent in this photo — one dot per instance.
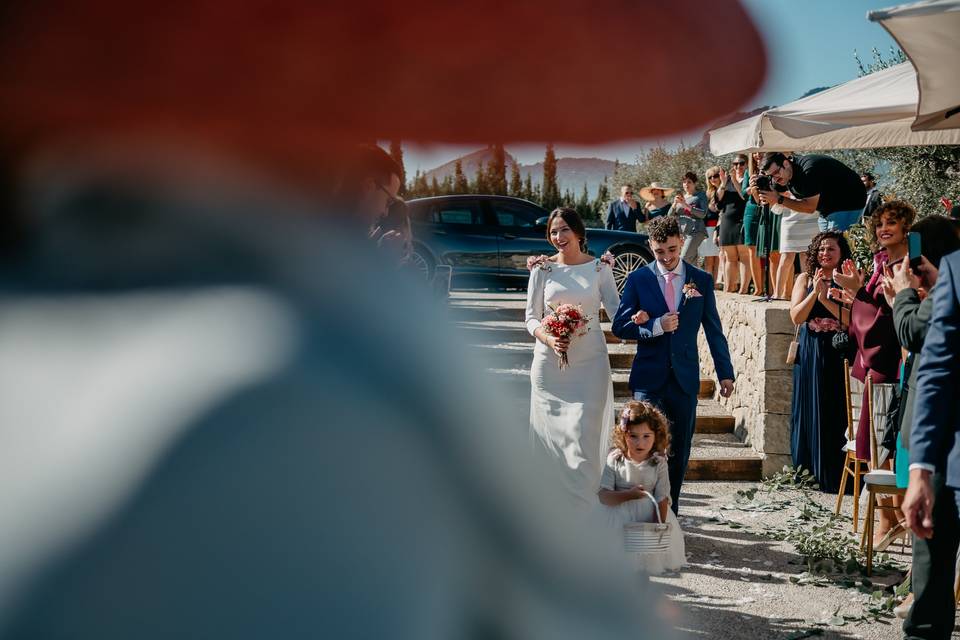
[929, 33]
[869, 112]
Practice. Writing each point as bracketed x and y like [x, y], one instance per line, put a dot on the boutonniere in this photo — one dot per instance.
[690, 291]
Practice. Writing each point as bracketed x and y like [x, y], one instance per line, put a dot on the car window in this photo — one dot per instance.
[417, 211]
[510, 214]
[457, 213]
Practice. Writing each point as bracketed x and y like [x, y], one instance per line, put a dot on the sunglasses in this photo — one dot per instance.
[738, 163]
[628, 193]
[773, 173]
[716, 175]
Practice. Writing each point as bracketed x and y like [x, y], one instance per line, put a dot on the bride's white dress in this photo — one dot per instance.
[571, 411]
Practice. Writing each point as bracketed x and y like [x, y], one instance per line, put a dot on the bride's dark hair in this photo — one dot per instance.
[573, 220]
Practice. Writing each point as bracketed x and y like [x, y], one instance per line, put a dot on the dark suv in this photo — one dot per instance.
[492, 236]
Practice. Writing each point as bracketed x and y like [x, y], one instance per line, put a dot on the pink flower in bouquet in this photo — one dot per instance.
[540, 261]
[823, 325]
[565, 321]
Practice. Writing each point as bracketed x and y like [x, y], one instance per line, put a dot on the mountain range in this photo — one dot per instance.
[572, 173]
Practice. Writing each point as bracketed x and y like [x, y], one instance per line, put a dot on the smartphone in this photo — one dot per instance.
[913, 249]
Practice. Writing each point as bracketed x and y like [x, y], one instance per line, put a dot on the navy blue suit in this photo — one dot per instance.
[935, 433]
[620, 221]
[935, 441]
[666, 369]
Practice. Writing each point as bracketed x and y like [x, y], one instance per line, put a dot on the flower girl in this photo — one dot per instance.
[637, 465]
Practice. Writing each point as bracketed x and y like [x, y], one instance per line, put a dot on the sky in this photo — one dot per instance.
[809, 44]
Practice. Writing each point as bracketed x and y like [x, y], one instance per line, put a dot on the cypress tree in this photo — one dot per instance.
[481, 185]
[396, 152]
[516, 187]
[498, 170]
[460, 182]
[550, 191]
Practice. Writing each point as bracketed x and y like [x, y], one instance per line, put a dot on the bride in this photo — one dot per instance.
[571, 411]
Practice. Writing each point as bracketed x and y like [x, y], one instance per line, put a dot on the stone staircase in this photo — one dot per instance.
[492, 324]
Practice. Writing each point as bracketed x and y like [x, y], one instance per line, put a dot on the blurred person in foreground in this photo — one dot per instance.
[222, 418]
[250, 433]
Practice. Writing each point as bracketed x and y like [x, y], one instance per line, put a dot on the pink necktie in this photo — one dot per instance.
[668, 293]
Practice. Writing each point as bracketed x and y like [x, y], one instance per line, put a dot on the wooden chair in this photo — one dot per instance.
[852, 465]
[877, 482]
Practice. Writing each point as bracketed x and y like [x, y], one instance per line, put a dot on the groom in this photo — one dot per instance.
[678, 298]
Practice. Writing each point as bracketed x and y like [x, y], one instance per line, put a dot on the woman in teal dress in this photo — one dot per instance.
[751, 222]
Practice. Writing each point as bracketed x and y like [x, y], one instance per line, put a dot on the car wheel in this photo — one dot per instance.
[420, 264]
[625, 262]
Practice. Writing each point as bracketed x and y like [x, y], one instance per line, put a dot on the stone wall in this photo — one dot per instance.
[759, 335]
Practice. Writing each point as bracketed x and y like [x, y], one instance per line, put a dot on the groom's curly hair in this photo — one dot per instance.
[636, 413]
[659, 229]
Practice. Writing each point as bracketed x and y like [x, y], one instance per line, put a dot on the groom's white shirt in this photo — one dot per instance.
[681, 271]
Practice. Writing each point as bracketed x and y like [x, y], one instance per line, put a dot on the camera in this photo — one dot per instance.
[764, 182]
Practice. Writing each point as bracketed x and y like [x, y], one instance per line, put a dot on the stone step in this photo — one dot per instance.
[485, 331]
[711, 417]
[509, 355]
[463, 311]
[724, 467]
[723, 457]
[520, 377]
[716, 442]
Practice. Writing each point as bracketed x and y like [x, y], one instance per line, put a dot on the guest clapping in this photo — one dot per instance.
[817, 427]
[871, 321]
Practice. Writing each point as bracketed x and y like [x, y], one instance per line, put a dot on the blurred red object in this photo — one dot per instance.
[298, 76]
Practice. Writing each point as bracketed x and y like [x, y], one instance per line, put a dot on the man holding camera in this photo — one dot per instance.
[821, 185]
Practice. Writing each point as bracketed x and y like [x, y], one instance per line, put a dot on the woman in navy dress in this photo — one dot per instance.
[818, 422]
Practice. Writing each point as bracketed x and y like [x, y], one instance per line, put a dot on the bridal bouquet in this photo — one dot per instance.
[565, 321]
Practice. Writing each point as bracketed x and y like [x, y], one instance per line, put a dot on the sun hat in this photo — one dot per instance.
[646, 194]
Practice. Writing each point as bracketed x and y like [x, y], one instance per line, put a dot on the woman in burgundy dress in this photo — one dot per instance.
[871, 318]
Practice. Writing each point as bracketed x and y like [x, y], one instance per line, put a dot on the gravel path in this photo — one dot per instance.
[737, 584]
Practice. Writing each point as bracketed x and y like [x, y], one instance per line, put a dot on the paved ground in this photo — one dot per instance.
[738, 584]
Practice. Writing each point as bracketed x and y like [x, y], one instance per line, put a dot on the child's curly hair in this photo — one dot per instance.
[635, 413]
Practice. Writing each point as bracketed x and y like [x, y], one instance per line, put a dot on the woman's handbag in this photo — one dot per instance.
[794, 347]
[841, 340]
